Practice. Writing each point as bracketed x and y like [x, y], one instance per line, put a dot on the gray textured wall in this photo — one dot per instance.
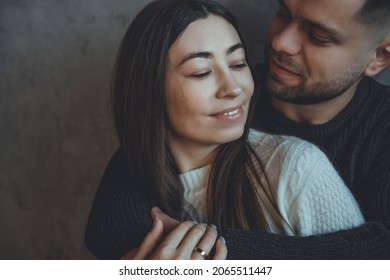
[56, 137]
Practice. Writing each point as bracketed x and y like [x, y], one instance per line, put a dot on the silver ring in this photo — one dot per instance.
[201, 252]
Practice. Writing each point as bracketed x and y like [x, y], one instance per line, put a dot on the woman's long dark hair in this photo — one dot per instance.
[236, 188]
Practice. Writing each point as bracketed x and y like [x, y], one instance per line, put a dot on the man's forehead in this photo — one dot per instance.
[336, 14]
[325, 7]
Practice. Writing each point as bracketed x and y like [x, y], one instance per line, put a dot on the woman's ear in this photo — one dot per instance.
[380, 60]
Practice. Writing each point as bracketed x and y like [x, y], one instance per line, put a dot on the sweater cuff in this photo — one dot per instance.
[370, 241]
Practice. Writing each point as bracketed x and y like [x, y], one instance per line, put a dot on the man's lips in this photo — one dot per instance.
[279, 68]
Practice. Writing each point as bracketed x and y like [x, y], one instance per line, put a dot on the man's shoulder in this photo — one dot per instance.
[373, 116]
[378, 89]
[377, 100]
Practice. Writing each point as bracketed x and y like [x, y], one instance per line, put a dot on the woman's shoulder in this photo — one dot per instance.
[288, 161]
[257, 137]
[268, 145]
[305, 184]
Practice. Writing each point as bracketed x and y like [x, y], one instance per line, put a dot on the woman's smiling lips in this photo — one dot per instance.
[231, 114]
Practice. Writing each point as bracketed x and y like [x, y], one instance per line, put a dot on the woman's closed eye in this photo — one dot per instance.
[200, 75]
[204, 74]
[240, 65]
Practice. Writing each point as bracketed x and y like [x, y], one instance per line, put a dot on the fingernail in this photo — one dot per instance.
[213, 226]
[222, 240]
[157, 209]
[155, 221]
[195, 222]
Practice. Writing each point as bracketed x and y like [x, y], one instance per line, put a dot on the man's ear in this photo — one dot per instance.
[381, 59]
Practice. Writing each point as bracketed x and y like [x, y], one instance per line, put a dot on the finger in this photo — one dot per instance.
[150, 241]
[220, 250]
[169, 223]
[175, 237]
[190, 241]
[205, 244]
[130, 255]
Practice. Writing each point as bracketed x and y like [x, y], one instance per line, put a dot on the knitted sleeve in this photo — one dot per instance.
[321, 202]
[370, 241]
[119, 218]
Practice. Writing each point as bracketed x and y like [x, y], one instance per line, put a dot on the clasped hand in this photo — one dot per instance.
[183, 241]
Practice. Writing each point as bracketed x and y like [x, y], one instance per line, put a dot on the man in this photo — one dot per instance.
[320, 56]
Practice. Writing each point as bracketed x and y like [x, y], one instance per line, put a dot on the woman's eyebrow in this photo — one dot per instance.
[205, 54]
[234, 48]
[195, 55]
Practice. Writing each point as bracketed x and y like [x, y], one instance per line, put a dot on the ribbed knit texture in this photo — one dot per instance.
[194, 183]
[357, 141]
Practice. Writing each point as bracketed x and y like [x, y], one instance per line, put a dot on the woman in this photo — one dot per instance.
[181, 100]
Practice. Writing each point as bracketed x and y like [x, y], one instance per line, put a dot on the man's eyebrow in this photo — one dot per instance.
[323, 28]
[208, 54]
[281, 3]
[326, 29]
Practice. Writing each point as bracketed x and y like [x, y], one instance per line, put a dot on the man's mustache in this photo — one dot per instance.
[286, 62]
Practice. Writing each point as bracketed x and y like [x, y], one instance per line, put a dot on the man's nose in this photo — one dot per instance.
[288, 40]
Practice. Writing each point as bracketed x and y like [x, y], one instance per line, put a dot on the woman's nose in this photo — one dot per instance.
[229, 87]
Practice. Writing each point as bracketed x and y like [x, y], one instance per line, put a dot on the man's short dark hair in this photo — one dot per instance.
[374, 12]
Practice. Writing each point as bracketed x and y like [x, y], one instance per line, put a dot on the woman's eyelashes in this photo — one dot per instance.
[201, 75]
[205, 74]
[239, 65]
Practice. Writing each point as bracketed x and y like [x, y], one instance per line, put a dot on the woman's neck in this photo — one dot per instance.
[189, 156]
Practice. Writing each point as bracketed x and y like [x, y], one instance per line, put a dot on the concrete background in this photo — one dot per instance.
[56, 135]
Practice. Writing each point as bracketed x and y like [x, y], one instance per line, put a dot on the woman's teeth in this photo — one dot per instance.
[232, 112]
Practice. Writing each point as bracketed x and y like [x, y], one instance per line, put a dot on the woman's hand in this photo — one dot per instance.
[188, 241]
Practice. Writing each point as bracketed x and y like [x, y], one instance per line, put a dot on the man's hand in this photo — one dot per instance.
[150, 242]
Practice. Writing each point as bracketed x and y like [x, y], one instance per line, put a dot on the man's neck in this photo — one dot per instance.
[315, 114]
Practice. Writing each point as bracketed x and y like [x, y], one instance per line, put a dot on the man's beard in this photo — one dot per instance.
[313, 94]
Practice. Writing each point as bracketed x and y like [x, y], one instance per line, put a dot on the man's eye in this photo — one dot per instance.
[319, 40]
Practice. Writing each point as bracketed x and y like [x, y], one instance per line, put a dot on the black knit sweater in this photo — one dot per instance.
[356, 141]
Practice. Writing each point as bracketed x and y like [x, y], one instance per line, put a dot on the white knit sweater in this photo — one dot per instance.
[310, 195]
